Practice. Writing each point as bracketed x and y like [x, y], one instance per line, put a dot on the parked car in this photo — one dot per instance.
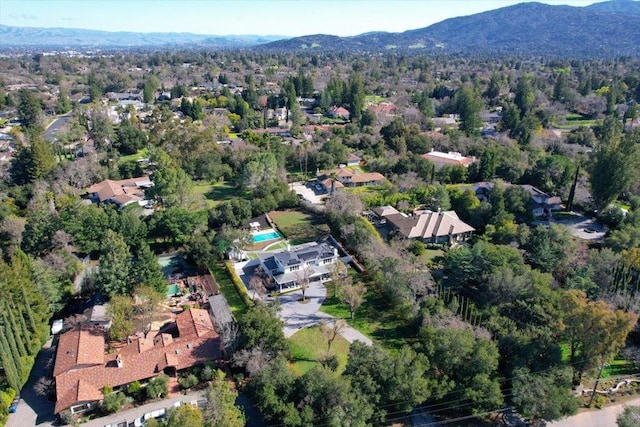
[13, 408]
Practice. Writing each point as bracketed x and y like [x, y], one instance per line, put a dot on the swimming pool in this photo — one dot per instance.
[266, 235]
[172, 290]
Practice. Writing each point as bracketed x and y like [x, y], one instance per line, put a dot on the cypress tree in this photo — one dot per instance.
[29, 313]
[16, 332]
[13, 347]
[8, 364]
[30, 342]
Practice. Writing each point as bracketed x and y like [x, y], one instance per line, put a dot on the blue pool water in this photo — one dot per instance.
[172, 290]
[270, 235]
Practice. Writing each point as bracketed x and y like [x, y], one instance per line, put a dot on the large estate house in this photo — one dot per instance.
[347, 177]
[451, 158]
[442, 227]
[82, 368]
[121, 193]
[310, 261]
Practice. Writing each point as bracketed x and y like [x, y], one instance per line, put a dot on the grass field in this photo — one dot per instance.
[238, 308]
[619, 367]
[309, 347]
[373, 319]
[573, 121]
[375, 99]
[299, 227]
[218, 192]
[141, 154]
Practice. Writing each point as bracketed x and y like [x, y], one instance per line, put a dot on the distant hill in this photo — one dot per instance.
[617, 6]
[603, 29]
[607, 29]
[12, 37]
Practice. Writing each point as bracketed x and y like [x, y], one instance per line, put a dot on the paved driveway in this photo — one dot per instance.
[308, 193]
[35, 410]
[297, 315]
[583, 227]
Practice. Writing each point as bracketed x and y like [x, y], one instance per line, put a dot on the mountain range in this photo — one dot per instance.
[607, 29]
[602, 29]
[25, 37]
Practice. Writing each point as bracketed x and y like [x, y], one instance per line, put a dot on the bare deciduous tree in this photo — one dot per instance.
[256, 284]
[303, 277]
[330, 331]
[353, 296]
[43, 386]
[230, 336]
[339, 276]
[253, 360]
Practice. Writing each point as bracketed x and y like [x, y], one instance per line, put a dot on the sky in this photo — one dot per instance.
[263, 17]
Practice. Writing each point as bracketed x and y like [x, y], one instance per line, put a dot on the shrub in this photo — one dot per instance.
[189, 381]
[207, 373]
[113, 402]
[157, 387]
[134, 389]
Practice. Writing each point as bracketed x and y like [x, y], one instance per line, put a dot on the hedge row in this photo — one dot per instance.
[240, 287]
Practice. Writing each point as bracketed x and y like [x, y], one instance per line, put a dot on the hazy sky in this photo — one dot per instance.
[280, 17]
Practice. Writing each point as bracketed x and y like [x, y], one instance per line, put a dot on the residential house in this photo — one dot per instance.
[82, 368]
[125, 96]
[450, 121]
[383, 109]
[347, 177]
[452, 158]
[121, 193]
[353, 160]
[99, 316]
[442, 227]
[288, 267]
[542, 203]
[336, 112]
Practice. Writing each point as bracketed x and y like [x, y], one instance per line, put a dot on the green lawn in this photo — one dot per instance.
[619, 367]
[276, 246]
[218, 192]
[299, 227]
[308, 347]
[376, 99]
[141, 154]
[238, 308]
[374, 318]
[573, 120]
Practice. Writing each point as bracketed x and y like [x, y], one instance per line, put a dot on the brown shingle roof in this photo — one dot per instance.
[108, 189]
[429, 224]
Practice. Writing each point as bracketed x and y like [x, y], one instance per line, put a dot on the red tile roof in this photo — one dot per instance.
[197, 342]
[80, 347]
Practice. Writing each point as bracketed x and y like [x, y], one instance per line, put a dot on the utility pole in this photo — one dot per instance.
[593, 393]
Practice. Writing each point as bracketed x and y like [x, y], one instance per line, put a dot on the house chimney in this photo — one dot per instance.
[119, 361]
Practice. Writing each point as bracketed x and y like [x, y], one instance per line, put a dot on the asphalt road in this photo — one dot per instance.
[597, 417]
[55, 126]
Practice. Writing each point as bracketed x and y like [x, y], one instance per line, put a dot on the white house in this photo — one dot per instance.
[312, 261]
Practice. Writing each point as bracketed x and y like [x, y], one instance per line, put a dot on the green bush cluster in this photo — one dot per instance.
[242, 290]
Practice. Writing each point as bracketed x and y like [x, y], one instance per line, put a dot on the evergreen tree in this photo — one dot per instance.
[115, 265]
[9, 364]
